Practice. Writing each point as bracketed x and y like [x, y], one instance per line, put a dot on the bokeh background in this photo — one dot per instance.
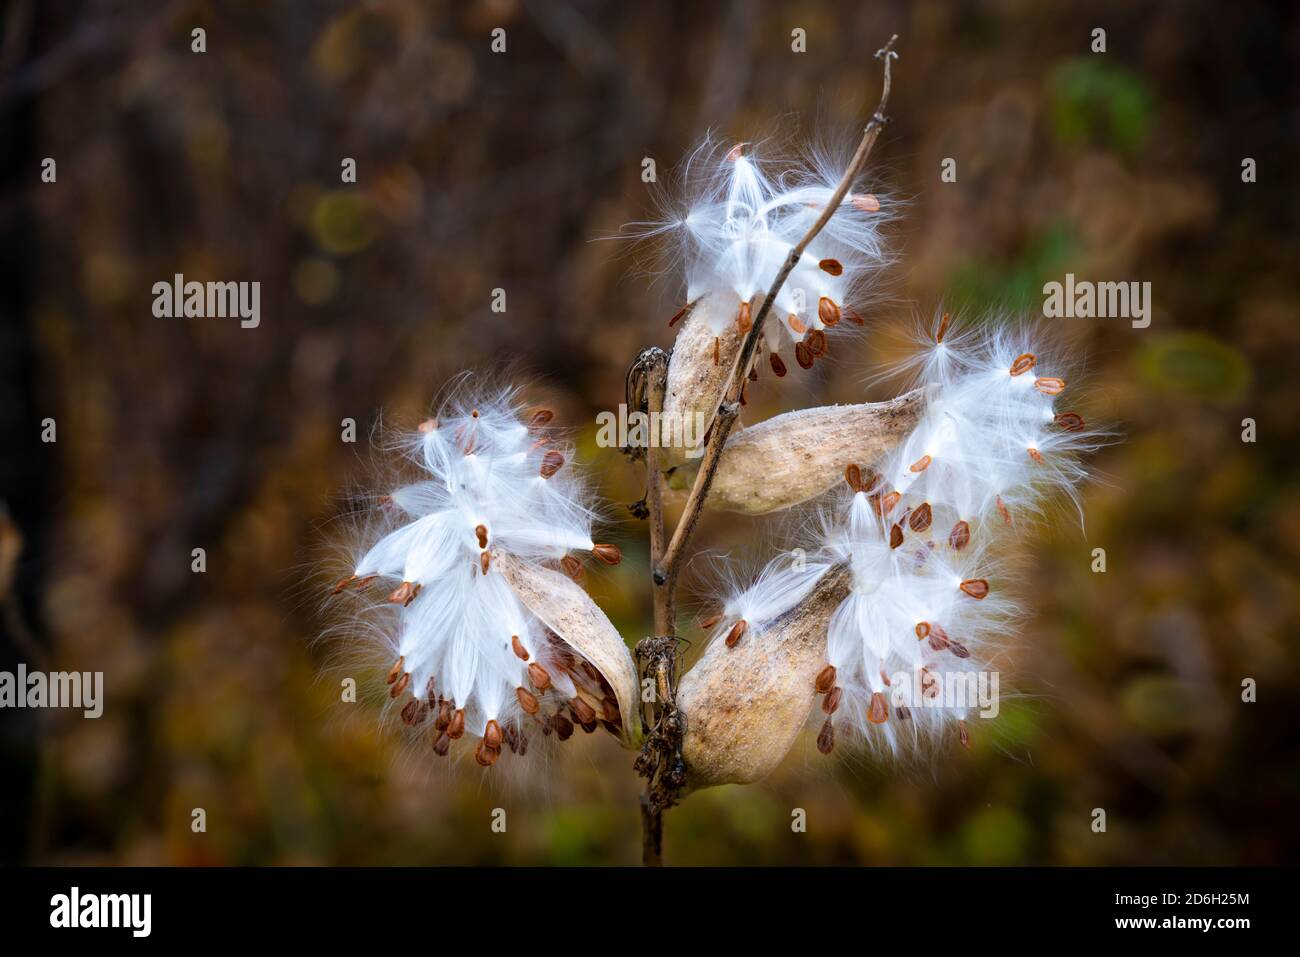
[480, 171]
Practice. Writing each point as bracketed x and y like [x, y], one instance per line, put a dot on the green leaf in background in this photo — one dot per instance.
[982, 286]
[1093, 101]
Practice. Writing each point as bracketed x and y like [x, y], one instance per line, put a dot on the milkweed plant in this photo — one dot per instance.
[470, 578]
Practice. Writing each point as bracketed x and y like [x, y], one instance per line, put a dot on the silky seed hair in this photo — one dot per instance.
[740, 209]
[467, 659]
[927, 534]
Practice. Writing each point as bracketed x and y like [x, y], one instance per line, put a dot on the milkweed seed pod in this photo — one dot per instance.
[797, 456]
[910, 640]
[490, 639]
[737, 229]
[746, 700]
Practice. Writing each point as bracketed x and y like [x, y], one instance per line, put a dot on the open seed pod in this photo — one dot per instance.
[799, 455]
[746, 700]
[704, 357]
[602, 669]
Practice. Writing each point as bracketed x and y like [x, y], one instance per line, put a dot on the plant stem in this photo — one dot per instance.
[660, 760]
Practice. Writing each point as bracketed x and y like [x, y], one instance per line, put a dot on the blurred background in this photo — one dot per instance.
[480, 171]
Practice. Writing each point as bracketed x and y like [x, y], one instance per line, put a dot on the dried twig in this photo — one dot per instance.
[660, 760]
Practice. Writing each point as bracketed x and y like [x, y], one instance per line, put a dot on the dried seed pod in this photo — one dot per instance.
[699, 371]
[797, 456]
[744, 706]
[569, 612]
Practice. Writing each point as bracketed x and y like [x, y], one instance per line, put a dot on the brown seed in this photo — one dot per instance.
[744, 322]
[485, 756]
[563, 727]
[1036, 455]
[428, 425]
[778, 366]
[541, 418]
[943, 328]
[527, 700]
[977, 588]
[492, 735]
[853, 317]
[414, 712]
[896, 536]
[344, 583]
[399, 687]
[825, 680]
[395, 672]
[520, 651]
[736, 152]
[442, 745]
[1023, 363]
[832, 266]
[826, 738]
[865, 202]
[679, 315]
[737, 632]
[717, 351]
[853, 475]
[539, 676]
[921, 464]
[1070, 421]
[832, 700]
[484, 561]
[404, 594]
[827, 311]
[481, 532]
[552, 462]
[711, 621]
[878, 710]
[1003, 510]
[1050, 385]
[803, 355]
[457, 726]
[753, 373]
[609, 554]
[572, 567]
[886, 503]
[589, 727]
[922, 630]
[902, 712]
[744, 392]
[963, 735]
[609, 711]
[583, 712]
[796, 325]
[920, 519]
[959, 537]
[817, 343]
[958, 649]
[443, 721]
[938, 637]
